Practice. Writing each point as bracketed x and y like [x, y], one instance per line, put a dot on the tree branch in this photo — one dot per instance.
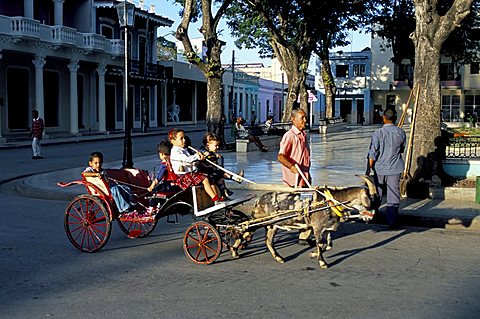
[221, 11]
[452, 19]
[182, 34]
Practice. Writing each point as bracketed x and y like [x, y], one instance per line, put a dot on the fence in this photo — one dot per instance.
[463, 147]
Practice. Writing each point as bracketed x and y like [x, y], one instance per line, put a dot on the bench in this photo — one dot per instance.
[332, 125]
[270, 141]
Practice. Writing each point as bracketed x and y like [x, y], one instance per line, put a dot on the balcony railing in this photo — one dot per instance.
[21, 27]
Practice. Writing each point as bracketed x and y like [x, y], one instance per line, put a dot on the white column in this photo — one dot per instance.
[73, 67]
[28, 8]
[354, 113]
[58, 12]
[39, 62]
[102, 119]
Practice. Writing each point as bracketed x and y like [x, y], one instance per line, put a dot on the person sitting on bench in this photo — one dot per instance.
[243, 133]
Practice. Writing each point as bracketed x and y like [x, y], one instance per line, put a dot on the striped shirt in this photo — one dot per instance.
[386, 150]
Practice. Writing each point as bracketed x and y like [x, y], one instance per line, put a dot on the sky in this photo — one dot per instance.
[170, 10]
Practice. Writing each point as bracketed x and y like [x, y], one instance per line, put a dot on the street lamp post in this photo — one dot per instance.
[126, 15]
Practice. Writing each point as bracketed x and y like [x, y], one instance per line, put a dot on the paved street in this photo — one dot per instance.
[374, 272]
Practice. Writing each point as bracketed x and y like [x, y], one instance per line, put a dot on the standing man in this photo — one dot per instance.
[385, 161]
[294, 149]
[253, 119]
[36, 134]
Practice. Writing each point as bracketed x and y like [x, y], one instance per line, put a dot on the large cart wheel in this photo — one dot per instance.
[87, 223]
[135, 229]
[202, 243]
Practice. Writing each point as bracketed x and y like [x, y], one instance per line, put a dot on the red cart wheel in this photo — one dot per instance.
[202, 243]
[87, 223]
[135, 229]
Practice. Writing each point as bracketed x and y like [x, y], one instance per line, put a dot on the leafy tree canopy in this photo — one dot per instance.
[396, 22]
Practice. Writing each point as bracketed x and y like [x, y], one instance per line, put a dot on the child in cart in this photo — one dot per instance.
[185, 166]
[121, 193]
[165, 179]
[211, 143]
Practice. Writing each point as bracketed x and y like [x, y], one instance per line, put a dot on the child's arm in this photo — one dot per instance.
[162, 170]
[92, 174]
[152, 185]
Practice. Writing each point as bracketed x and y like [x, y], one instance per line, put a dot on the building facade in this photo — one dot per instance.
[391, 85]
[66, 59]
[352, 74]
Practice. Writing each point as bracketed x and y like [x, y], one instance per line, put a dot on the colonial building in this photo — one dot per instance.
[66, 59]
[352, 78]
[368, 82]
[274, 88]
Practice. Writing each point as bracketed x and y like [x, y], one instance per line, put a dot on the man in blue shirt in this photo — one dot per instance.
[385, 160]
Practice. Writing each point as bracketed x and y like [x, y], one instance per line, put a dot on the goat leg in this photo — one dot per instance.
[319, 253]
[270, 234]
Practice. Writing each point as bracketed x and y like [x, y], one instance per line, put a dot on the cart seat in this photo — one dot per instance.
[131, 176]
[96, 186]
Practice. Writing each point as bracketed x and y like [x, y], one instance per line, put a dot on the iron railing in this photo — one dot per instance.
[463, 147]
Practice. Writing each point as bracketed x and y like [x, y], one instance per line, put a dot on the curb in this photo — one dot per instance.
[453, 193]
[90, 138]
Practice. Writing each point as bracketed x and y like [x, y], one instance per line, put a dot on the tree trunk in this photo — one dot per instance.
[214, 102]
[295, 66]
[430, 33]
[330, 88]
[427, 123]
[210, 65]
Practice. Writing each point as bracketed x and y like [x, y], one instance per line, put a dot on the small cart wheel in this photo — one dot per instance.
[135, 229]
[202, 243]
[87, 223]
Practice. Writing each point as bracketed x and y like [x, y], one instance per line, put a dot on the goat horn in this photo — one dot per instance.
[371, 185]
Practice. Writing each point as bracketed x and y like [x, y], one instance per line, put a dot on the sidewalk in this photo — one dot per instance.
[336, 158]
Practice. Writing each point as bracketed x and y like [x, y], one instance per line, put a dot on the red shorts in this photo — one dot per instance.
[190, 179]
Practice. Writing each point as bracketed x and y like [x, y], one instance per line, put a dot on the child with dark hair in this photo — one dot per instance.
[165, 178]
[121, 194]
[211, 144]
[181, 158]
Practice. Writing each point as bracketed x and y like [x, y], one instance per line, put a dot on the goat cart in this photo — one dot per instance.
[88, 217]
[294, 209]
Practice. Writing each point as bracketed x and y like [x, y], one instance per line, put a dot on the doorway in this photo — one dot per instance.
[17, 99]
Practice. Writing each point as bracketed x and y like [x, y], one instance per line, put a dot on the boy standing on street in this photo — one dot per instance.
[36, 135]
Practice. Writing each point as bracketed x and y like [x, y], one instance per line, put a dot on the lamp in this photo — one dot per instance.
[126, 16]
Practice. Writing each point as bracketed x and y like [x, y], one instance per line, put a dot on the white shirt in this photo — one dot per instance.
[180, 157]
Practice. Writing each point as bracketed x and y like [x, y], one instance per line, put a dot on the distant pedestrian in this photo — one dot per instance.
[294, 150]
[36, 135]
[253, 118]
[386, 163]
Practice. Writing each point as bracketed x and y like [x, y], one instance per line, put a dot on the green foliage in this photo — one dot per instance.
[166, 50]
[303, 24]
[397, 21]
